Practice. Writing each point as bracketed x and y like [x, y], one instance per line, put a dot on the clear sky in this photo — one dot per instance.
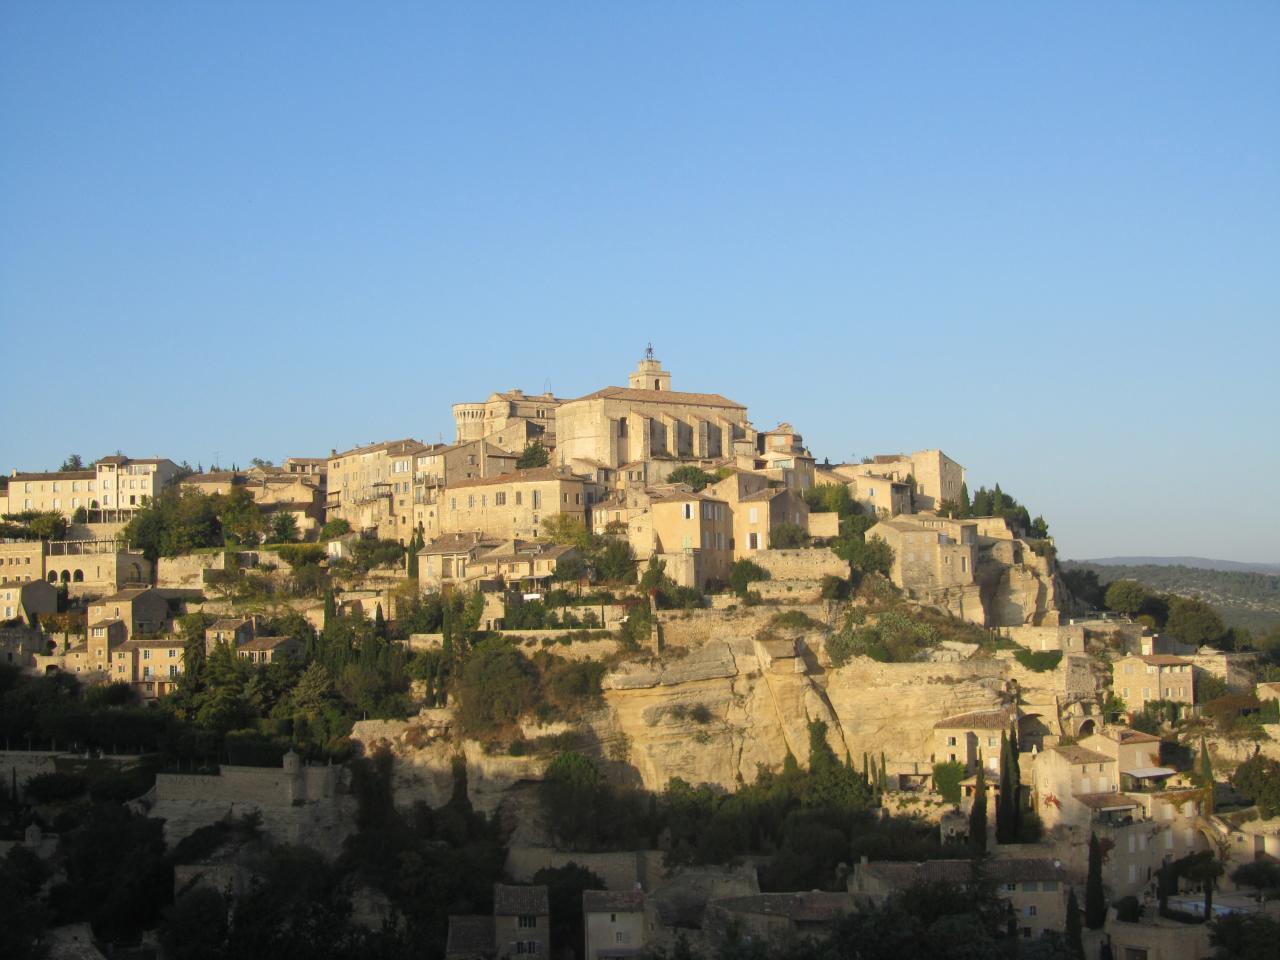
[1045, 238]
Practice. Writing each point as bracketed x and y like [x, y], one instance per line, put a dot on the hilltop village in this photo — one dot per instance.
[619, 675]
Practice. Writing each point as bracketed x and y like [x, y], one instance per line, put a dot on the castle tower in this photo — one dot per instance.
[649, 374]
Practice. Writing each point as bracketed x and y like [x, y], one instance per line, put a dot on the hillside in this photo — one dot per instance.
[1203, 563]
[1243, 598]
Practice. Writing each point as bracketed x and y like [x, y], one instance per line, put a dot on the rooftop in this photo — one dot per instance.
[265, 643]
[534, 475]
[809, 907]
[661, 396]
[129, 593]
[612, 901]
[1107, 801]
[470, 935]
[407, 445]
[977, 720]
[510, 900]
[1075, 754]
[457, 543]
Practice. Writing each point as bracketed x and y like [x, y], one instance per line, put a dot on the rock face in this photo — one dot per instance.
[717, 711]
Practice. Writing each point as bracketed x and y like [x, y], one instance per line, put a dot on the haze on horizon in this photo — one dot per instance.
[1044, 240]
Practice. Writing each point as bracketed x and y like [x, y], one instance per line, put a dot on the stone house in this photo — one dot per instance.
[937, 477]
[513, 506]
[777, 918]
[125, 484]
[91, 567]
[520, 926]
[142, 609]
[152, 667]
[1070, 784]
[447, 561]
[22, 601]
[880, 496]
[266, 650]
[524, 565]
[961, 738]
[63, 491]
[371, 487]
[929, 552]
[442, 465]
[232, 631]
[693, 534]
[93, 656]
[614, 922]
[1036, 888]
[1140, 680]
[22, 560]
[758, 509]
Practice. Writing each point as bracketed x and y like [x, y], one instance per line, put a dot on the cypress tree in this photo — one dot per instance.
[1095, 902]
[411, 561]
[330, 607]
[1204, 772]
[978, 814]
[379, 623]
[966, 507]
[884, 774]
[1015, 788]
[865, 769]
[1074, 934]
[1003, 819]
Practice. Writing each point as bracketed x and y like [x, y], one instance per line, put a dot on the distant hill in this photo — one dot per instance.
[1243, 596]
[1200, 563]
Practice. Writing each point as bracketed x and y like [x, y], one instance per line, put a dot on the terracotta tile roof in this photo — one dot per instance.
[395, 447]
[227, 623]
[105, 623]
[457, 543]
[810, 907]
[129, 593]
[1125, 735]
[1163, 660]
[510, 900]
[661, 396]
[612, 901]
[152, 644]
[55, 475]
[266, 643]
[977, 720]
[958, 872]
[1074, 754]
[470, 936]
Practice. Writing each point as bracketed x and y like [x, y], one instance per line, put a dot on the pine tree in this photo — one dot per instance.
[1095, 902]
[1073, 933]
[978, 814]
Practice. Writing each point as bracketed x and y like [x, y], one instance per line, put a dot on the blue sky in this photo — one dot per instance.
[1043, 238]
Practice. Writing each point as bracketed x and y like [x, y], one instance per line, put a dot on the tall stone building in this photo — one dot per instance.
[510, 420]
[371, 487]
[648, 423]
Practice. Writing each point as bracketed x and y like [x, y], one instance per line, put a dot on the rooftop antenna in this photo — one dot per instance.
[546, 386]
[648, 351]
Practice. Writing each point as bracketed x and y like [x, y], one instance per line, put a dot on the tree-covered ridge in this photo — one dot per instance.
[1243, 599]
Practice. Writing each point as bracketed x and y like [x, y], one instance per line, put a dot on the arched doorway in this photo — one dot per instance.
[1087, 727]
[78, 577]
[66, 576]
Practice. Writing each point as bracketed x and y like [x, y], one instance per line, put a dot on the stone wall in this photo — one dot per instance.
[1068, 637]
[800, 564]
[692, 628]
[189, 570]
[619, 871]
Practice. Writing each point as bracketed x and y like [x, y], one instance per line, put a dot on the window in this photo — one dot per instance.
[499, 499]
[1010, 887]
[527, 921]
[537, 499]
[471, 502]
[620, 936]
[519, 498]
[1031, 910]
[951, 741]
[688, 511]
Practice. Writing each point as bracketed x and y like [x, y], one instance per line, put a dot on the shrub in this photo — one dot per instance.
[946, 780]
[335, 528]
[744, 573]
[788, 536]
[1039, 660]
[700, 714]
[52, 787]
[302, 554]
[495, 687]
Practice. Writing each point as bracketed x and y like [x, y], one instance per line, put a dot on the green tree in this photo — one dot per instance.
[1258, 779]
[695, 477]
[1095, 902]
[978, 813]
[946, 780]
[73, 462]
[1193, 621]
[1204, 776]
[743, 573]
[335, 528]
[569, 794]
[533, 455]
[1126, 596]
[1073, 933]
[788, 536]
[284, 528]
[1238, 936]
[1205, 869]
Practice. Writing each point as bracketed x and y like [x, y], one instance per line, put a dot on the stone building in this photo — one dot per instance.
[23, 601]
[61, 492]
[371, 487]
[929, 552]
[151, 667]
[141, 609]
[440, 465]
[614, 922]
[647, 421]
[447, 561]
[274, 491]
[1035, 887]
[934, 476]
[514, 505]
[267, 650]
[1140, 680]
[520, 926]
[509, 421]
[110, 490]
[758, 509]
[963, 737]
[693, 534]
[233, 631]
[87, 567]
